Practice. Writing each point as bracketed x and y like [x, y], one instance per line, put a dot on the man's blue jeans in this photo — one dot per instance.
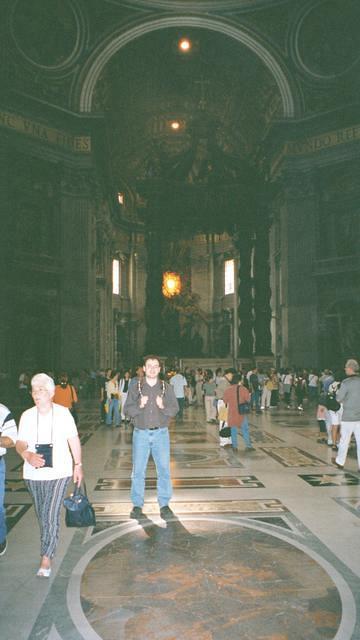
[156, 442]
[113, 413]
[244, 432]
[2, 508]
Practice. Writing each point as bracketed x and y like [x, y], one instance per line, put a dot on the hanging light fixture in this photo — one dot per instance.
[171, 284]
[184, 45]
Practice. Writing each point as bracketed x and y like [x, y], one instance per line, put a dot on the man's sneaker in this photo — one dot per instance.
[250, 448]
[165, 512]
[136, 513]
[3, 547]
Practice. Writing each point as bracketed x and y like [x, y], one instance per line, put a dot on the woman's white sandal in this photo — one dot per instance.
[44, 573]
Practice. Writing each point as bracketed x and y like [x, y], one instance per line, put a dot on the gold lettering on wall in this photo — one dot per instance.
[79, 144]
[323, 141]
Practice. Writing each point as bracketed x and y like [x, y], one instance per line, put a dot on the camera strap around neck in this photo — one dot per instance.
[37, 425]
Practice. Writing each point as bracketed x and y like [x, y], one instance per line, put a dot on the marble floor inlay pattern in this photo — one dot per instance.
[262, 545]
[198, 459]
[116, 484]
[112, 510]
[14, 513]
[293, 457]
[331, 479]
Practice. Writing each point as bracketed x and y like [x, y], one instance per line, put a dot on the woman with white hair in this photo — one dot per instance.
[49, 444]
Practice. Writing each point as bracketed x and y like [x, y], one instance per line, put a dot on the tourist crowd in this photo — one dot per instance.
[149, 397]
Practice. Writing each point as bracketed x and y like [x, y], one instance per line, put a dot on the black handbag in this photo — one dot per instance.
[243, 407]
[225, 432]
[79, 511]
[332, 404]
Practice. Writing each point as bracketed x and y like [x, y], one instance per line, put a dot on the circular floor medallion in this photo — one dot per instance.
[207, 579]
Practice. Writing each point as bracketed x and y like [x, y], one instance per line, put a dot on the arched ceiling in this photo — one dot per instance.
[221, 95]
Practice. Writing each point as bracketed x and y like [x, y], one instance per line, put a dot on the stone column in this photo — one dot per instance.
[299, 315]
[262, 290]
[153, 292]
[243, 242]
[7, 239]
[104, 308]
[211, 279]
[78, 281]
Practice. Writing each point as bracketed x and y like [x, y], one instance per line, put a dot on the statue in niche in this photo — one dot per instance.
[351, 331]
[197, 344]
[346, 233]
[222, 342]
[185, 336]
[28, 223]
[341, 334]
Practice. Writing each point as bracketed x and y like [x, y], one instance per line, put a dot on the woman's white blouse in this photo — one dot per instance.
[57, 427]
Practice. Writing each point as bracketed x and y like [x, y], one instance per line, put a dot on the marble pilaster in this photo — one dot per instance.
[295, 246]
[153, 293]
[245, 297]
[78, 290]
[262, 291]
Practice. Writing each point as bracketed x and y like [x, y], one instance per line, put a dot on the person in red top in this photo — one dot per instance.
[236, 394]
[65, 394]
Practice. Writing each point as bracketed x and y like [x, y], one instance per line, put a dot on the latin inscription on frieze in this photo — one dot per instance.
[79, 144]
[324, 141]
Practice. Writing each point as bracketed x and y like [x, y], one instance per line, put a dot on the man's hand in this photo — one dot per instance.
[143, 401]
[159, 402]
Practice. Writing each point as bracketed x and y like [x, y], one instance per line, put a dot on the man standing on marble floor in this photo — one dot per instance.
[151, 404]
[349, 395]
[8, 435]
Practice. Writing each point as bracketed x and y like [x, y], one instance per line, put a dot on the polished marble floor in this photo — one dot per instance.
[263, 545]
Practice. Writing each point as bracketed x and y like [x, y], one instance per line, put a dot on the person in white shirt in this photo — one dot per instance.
[179, 384]
[313, 385]
[124, 389]
[8, 435]
[113, 400]
[288, 381]
[49, 444]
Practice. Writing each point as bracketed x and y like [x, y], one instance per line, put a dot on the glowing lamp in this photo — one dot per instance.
[175, 125]
[171, 284]
[184, 45]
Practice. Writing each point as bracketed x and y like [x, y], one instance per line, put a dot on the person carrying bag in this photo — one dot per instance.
[79, 511]
[237, 399]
